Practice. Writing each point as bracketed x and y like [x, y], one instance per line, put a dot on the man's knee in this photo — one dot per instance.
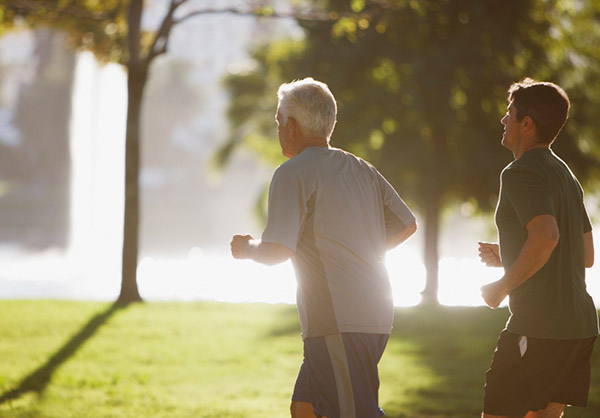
[302, 410]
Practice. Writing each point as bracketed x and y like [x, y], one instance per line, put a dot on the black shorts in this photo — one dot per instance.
[528, 373]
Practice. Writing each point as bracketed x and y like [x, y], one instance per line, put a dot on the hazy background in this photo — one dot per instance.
[61, 155]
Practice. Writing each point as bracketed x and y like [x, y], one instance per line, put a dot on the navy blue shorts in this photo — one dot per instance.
[528, 373]
[339, 375]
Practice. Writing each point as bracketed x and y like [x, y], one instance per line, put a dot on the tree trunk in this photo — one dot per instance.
[136, 81]
[431, 256]
[129, 287]
[434, 185]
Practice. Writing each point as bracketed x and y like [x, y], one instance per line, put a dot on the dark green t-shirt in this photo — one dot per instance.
[553, 303]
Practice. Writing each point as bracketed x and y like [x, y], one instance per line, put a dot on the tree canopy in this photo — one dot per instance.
[421, 89]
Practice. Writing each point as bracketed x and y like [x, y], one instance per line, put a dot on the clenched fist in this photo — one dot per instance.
[239, 245]
[489, 253]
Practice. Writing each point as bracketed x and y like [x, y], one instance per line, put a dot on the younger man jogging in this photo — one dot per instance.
[542, 361]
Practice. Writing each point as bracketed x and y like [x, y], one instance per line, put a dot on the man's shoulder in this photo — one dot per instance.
[306, 157]
[542, 163]
[298, 166]
[324, 163]
[286, 170]
[530, 162]
[315, 156]
[519, 174]
[515, 168]
[355, 160]
[350, 155]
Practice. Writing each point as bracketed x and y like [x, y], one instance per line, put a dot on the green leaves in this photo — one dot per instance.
[99, 26]
[264, 11]
[422, 85]
[357, 6]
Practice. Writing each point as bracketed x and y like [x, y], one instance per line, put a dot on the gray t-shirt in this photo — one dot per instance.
[335, 211]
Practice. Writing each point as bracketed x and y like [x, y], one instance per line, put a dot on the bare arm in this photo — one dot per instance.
[589, 249]
[399, 238]
[269, 253]
[542, 238]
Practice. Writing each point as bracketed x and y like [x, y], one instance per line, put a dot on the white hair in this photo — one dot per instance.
[311, 103]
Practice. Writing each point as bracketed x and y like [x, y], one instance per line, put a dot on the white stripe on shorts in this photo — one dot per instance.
[337, 354]
[523, 345]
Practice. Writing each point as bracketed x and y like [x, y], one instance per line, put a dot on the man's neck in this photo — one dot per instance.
[522, 150]
[311, 142]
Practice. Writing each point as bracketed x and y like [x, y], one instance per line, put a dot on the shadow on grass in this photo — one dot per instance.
[287, 322]
[450, 348]
[454, 346]
[39, 379]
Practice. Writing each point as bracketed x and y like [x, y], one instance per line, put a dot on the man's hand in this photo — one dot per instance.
[494, 293]
[269, 253]
[240, 245]
[490, 254]
[542, 239]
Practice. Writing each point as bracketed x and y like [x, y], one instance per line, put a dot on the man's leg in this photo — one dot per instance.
[334, 370]
[553, 410]
[302, 410]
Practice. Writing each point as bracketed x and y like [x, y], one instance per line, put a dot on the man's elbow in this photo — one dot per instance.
[413, 228]
[279, 255]
[547, 243]
[552, 242]
[551, 238]
[588, 240]
[402, 236]
[589, 260]
[544, 234]
[409, 231]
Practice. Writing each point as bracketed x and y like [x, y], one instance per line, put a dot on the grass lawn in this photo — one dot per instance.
[78, 359]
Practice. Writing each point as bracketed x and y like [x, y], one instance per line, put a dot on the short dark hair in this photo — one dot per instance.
[546, 103]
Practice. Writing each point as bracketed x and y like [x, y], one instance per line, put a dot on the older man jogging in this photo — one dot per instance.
[335, 216]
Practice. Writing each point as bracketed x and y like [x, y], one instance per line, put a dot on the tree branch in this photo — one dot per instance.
[34, 7]
[311, 15]
[161, 39]
[306, 16]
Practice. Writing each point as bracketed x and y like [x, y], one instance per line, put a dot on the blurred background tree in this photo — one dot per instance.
[113, 31]
[34, 145]
[421, 88]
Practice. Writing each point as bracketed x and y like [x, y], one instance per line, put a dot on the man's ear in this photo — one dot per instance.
[528, 123]
[292, 122]
[295, 128]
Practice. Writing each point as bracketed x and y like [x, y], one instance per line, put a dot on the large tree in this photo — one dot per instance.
[113, 30]
[421, 88]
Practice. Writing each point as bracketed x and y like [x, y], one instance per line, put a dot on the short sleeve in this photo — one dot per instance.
[396, 213]
[587, 224]
[286, 209]
[527, 193]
